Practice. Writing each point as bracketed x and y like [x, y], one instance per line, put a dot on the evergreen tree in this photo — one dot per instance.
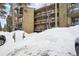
[2, 10]
[9, 23]
[5, 27]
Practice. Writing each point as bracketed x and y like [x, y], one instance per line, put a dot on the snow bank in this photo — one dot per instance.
[74, 30]
[55, 42]
[52, 42]
[9, 44]
[19, 37]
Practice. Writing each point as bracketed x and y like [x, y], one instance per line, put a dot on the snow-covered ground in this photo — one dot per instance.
[51, 42]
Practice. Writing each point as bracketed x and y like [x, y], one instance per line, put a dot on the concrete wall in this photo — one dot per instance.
[28, 20]
[64, 20]
[69, 18]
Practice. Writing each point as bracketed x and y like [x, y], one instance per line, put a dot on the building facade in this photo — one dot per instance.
[37, 20]
[22, 17]
[28, 20]
[74, 13]
[53, 15]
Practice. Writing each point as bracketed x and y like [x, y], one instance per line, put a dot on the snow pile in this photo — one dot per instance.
[74, 30]
[14, 40]
[52, 42]
[19, 37]
[8, 46]
[55, 42]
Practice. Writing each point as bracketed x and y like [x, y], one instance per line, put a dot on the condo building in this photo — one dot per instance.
[37, 20]
[53, 15]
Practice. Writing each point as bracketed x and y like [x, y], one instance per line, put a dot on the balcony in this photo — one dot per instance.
[3, 11]
[74, 11]
[19, 15]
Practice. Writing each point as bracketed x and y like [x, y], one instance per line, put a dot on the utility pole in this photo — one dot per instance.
[56, 21]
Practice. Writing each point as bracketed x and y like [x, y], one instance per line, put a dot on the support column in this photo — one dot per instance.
[56, 21]
[63, 17]
[13, 17]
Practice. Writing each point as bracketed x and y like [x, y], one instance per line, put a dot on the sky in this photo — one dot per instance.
[33, 5]
[36, 5]
[3, 21]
